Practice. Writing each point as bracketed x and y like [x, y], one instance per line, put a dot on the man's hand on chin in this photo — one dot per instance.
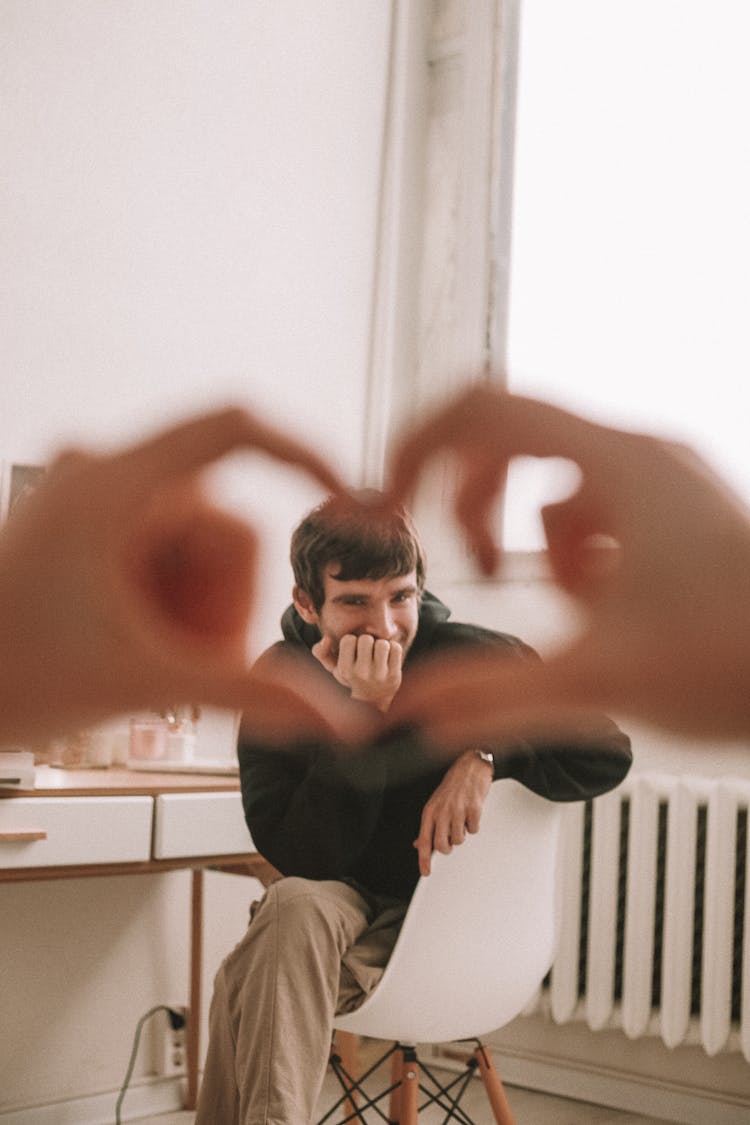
[368, 666]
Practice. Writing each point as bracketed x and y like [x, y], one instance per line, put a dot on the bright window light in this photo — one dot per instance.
[630, 250]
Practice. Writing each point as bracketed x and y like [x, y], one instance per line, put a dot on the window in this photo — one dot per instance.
[630, 244]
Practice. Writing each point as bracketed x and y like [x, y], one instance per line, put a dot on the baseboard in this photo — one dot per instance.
[144, 1099]
[608, 1087]
[612, 1088]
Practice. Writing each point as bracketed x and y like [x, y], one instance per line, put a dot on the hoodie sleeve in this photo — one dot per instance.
[310, 810]
[574, 769]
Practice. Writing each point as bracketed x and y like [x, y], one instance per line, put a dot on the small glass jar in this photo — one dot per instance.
[148, 739]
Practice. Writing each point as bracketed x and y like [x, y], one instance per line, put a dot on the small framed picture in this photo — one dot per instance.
[16, 482]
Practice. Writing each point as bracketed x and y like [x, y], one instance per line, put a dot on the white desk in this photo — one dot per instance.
[116, 822]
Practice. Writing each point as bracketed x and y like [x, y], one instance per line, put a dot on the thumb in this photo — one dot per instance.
[583, 553]
[323, 653]
[280, 712]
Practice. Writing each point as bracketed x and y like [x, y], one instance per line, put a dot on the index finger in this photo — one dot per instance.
[489, 421]
[423, 844]
[198, 442]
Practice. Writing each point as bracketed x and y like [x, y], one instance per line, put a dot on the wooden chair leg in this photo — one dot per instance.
[347, 1045]
[494, 1087]
[394, 1104]
[409, 1088]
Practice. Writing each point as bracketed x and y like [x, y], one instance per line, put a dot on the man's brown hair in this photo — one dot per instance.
[362, 539]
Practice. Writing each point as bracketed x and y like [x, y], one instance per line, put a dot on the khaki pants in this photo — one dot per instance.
[312, 949]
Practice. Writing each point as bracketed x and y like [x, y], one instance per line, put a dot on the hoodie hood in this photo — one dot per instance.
[432, 612]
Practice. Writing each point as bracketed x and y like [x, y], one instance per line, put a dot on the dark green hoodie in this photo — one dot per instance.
[321, 813]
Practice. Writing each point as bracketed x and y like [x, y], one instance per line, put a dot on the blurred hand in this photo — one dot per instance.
[123, 587]
[654, 548]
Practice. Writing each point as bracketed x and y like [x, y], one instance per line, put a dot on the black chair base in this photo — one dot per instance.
[413, 1087]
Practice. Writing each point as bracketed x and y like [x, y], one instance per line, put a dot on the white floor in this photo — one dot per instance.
[530, 1108]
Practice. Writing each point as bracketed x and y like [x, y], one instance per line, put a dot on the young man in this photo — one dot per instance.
[351, 832]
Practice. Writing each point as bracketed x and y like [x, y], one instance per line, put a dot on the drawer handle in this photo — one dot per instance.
[22, 836]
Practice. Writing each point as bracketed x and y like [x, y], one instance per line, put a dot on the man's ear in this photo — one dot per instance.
[304, 606]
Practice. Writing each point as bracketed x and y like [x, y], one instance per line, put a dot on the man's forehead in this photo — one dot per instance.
[390, 583]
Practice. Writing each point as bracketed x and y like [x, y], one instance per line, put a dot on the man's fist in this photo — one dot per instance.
[370, 668]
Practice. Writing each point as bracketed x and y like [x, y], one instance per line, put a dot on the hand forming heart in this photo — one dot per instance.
[123, 587]
[666, 599]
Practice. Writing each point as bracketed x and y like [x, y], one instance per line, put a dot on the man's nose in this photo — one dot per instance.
[380, 623]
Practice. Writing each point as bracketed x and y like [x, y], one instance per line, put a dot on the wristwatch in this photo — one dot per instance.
[486, 757]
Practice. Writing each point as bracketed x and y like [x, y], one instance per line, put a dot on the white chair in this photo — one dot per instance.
[477, 941]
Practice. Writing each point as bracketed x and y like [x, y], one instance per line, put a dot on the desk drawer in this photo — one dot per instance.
[200, 824]
[55, 831]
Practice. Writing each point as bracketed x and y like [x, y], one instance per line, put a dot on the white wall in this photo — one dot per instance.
[188, 213]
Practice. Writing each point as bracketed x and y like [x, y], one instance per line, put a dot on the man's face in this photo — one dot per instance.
[386, 608]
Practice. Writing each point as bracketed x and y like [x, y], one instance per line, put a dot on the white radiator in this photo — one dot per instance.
[655, 933]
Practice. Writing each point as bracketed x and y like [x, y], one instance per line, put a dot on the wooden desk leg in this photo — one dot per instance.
[196, 964]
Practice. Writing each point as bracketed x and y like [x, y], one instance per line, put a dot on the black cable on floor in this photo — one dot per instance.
[175, 1018]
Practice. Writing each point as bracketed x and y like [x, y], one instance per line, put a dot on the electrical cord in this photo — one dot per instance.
[176, 1019]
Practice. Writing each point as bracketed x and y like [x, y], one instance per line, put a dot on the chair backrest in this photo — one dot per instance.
[479, 935]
